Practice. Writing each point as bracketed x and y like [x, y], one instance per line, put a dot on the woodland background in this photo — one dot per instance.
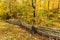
[43, 13]
[37, 12]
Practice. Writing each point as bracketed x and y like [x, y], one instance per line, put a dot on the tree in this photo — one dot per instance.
[34, 7]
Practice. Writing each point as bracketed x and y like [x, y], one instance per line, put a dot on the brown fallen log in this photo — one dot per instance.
[45, 31]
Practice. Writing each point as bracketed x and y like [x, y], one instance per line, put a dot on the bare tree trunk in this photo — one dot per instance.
[34, 12]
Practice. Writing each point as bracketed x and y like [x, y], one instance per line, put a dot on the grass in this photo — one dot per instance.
[14, 32]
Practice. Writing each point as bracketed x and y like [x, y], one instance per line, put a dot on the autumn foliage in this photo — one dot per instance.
[47, 12]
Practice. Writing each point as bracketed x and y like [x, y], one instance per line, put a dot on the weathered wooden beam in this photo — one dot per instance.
[50, 32]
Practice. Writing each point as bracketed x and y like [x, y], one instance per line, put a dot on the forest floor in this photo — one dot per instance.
[14, 32]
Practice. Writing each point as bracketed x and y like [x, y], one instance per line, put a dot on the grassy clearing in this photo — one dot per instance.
[14, 32]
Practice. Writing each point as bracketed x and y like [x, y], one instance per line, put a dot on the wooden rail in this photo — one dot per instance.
[45, 31]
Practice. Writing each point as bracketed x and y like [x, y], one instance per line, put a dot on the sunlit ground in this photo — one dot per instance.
[14, 32]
